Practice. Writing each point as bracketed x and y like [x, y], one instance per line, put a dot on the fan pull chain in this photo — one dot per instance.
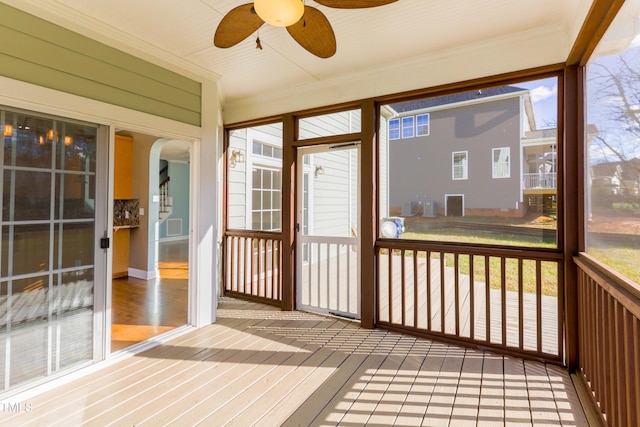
[258, 44]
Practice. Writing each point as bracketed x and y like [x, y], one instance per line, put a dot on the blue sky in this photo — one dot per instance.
[544, 95]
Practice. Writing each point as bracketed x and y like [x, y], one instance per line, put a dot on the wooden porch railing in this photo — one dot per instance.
[507, 299]
[609, 341]
[253, 265]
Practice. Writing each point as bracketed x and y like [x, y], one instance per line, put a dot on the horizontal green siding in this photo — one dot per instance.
[39, 52]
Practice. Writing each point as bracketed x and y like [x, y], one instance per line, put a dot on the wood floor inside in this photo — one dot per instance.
[260, 366]
[143, 309]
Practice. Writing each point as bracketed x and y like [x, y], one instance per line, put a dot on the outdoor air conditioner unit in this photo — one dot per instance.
[429, 209]
[407, 209]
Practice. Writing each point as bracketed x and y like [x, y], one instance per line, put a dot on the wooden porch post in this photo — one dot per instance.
[572, 215]
[288, 213]
[368, 201]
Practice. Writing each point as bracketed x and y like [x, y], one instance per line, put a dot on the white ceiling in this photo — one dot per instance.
[406, 45]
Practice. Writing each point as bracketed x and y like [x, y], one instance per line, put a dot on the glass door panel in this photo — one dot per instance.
[47, 247]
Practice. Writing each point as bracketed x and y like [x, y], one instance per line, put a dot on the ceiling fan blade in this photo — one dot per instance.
[236, 26]
[354, 4]
[314, 33]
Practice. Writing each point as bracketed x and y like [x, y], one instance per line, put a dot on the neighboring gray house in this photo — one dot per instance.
[467, 154]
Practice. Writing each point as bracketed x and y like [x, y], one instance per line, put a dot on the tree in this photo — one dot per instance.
[614, 106]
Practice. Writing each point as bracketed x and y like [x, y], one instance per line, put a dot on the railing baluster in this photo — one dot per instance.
[456, 284]
[338, 277]
[503, 297]
[595, 336]
[521, 305]
[429, 296]
[403, 284]
[273, 269]
[622, 367]
[610, 346]
[309, 270]
[601, 354]
[539, 305]
[231, 250]
[245, 264]
[636, 363]
[319, 274]
[348, 268]
[390, 296]
[487, 297]
[415, 289]
[442, 292]
[472, 295]
[279, 258]
[254, 258]
[328, 287]
[265, 268]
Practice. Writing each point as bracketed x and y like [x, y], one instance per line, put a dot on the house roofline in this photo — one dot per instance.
[457, 104]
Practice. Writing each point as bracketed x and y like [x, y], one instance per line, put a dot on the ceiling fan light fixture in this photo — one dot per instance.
[279, 13]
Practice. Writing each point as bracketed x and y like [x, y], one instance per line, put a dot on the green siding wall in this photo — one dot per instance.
[39, 52]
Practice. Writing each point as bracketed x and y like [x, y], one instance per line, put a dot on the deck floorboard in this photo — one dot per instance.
[261, 366]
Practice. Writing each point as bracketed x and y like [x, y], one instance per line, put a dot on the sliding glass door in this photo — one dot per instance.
[49, 247]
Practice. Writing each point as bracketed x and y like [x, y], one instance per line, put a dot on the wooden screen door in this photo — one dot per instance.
[328, 243]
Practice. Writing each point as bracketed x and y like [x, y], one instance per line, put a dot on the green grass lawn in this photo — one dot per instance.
[549, 270]
[457, 235]
[624, 260]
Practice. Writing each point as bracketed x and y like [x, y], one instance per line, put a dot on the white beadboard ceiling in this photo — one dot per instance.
[406, 45]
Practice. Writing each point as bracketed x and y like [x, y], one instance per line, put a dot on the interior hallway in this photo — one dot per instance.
[143, 309]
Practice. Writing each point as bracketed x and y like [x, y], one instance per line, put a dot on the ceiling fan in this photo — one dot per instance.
[307, 25]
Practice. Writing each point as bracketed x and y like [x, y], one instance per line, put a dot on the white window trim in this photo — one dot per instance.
[465, 169]
[493, 163]
[428, 115]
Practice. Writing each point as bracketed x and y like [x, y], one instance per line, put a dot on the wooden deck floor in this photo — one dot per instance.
[260, 366]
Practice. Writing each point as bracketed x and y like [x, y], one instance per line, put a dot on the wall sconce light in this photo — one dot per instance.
[8, 130]
[52, 135]
[319, 171]
[236, 157]
[68, 140]
[41, 140]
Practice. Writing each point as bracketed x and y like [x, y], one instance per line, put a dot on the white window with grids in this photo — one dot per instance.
[422, 124]
[459, 165]
[264, 182]
[267, 150]
[408, 127]
[266, 199]
[394, 129]
[501, 162]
